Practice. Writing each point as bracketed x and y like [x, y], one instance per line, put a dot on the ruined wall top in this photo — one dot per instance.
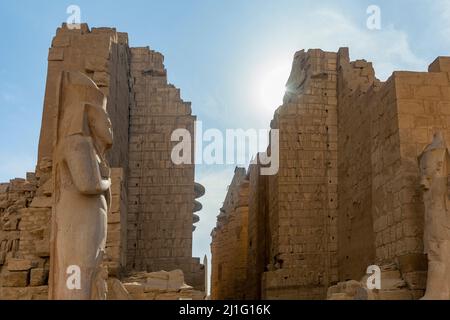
[76, 49]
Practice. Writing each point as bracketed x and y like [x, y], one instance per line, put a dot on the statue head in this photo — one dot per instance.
[100, 127]
[82, 110]
[433, 161]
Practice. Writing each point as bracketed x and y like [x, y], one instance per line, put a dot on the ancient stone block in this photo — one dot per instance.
[101, 78]
[15, 279]
[20, 265]
[42, 248]
[56, 54]
[96, 64]
[41, 202]
[441, 64]
[38, 277]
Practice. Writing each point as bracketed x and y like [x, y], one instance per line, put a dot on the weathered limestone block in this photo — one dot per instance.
[56, 54]
[38, 277]
[41, 202]
[163, 280]
[29, 293]
[20, 265]
[158, 280]
[117, 291]
[101, 78]
[134, 288]
[160, 285]
[61, 41]
[15, 279]
[441, 64]
[416, 280]
[96, 64]
[42, 248]
[349, 290]
[393, 287]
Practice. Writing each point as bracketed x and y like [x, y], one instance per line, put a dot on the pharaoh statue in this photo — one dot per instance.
[434, 169]
[82, 182]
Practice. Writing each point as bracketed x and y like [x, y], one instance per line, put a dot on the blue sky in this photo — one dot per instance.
[230, 58]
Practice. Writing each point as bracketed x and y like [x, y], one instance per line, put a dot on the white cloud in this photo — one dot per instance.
[444, 8]
[325, 28]
[388, 48]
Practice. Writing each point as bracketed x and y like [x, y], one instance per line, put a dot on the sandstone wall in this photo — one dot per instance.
[103, 55]
[24, 241]
[160, 194]
[304, 210]
[167, 191]
[230, 242]
[347, 194]
[160, 285]
[116, 242]
[396, 120]
[259, 234]
[422, 107]
[356, 240]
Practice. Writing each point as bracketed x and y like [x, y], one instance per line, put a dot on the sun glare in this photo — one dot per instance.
[273, 86]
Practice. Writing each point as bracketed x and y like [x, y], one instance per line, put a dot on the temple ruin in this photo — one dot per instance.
[152, 201]
[348, 194]
[362, 185]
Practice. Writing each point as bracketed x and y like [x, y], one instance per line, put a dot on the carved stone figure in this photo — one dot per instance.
[434, 168]
[82, 190]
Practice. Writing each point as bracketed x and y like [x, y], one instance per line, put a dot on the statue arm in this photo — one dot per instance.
[83, 166]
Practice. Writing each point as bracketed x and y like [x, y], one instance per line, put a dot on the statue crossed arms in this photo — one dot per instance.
[434, 166]
[81, 189]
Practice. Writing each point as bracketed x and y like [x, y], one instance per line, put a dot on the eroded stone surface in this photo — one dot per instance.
[161, 285]
[434, 169]
[104, 56]
[348, 192]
